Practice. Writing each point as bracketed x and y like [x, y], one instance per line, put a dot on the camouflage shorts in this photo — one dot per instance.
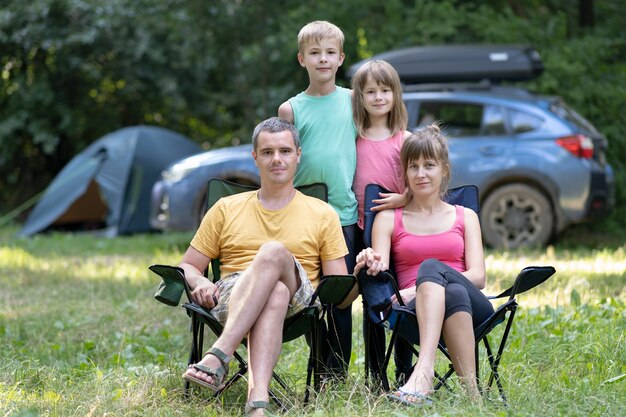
[298, 302]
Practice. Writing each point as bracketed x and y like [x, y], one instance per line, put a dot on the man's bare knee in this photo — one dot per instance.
[279, 297]
[274, 253]
[274, 262]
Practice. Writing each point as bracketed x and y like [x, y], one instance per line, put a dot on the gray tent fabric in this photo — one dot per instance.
[124, 164]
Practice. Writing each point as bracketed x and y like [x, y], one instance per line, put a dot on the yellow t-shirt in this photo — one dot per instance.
[236, 226]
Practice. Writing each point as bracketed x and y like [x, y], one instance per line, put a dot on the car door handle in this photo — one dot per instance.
[490, 150]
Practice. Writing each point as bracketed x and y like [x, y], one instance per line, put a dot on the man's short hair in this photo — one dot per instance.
[275, 125]
[318, 31]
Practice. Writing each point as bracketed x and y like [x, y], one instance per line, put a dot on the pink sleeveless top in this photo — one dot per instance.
[377, 161]
[409, 250]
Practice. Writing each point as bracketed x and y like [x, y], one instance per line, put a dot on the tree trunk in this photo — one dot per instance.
[585, 13]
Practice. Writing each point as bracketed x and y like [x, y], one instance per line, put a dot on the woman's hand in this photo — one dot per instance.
[370, 260]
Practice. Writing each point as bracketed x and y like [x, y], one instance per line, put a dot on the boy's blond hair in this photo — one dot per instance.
[317, 31]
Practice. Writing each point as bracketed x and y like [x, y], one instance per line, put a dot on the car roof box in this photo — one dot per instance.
[461, 63]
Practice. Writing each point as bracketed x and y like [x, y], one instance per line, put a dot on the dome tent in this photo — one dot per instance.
[109, 183]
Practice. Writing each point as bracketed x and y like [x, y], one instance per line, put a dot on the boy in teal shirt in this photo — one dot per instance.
[323, 116]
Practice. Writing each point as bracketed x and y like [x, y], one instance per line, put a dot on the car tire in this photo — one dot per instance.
[515, 216]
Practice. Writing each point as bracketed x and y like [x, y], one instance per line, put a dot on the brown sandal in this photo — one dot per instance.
[255, 405]
[218, 374]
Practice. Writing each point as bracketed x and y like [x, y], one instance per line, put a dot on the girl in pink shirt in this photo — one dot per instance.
[380, 118]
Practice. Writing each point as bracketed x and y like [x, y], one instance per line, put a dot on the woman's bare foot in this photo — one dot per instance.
[420, 382]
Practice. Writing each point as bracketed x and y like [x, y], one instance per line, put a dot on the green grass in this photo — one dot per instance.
[81, 335]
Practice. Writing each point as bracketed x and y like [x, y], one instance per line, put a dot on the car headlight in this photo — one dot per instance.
[177, 172]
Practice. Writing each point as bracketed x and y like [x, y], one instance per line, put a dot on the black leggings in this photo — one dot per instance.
[461, 294]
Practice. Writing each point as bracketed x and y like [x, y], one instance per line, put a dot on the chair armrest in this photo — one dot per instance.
[527, 279]
[172, 286]
[333, 289]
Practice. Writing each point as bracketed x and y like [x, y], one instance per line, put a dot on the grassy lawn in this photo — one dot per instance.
[81, 335]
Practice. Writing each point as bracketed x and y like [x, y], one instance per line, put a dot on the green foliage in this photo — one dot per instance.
[73, 70]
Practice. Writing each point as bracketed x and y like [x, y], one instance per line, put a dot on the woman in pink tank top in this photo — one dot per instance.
[439, 260]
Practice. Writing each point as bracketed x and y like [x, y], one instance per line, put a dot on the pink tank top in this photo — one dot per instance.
[409, 250]
[378, 161]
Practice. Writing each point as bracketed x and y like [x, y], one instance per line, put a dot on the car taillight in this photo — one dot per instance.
[578, 145]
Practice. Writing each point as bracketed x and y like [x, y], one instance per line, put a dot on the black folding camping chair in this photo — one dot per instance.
[404, 327]
[309, 322]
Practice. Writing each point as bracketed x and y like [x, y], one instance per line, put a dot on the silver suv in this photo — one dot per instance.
[538, 164]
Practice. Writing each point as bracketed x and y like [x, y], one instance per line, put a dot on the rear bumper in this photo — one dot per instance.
[602, 193]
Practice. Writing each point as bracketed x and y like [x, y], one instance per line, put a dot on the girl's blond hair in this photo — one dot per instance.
[383, 74]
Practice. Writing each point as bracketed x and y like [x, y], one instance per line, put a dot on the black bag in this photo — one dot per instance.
[376, 290]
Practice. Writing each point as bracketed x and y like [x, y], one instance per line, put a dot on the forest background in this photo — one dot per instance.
[74, 70]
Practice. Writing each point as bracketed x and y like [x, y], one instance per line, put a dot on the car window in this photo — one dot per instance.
[522, 122]
[464, 119]
[493, 121]
[569, 114]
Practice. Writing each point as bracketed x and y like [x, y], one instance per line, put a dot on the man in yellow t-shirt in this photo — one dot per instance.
[272, 245]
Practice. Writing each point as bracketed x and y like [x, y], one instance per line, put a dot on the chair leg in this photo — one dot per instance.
[442, 380]
[314, 366]
[197, 329]
[494, 374]
[366, 343]
[477, 367]
[275, 397]
[385, 365]
[494, 361]
[310, 374]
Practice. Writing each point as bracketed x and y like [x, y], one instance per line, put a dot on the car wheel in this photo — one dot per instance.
[515, 216]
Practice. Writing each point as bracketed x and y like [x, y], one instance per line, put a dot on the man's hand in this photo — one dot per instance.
[205, 294]
[370, 259]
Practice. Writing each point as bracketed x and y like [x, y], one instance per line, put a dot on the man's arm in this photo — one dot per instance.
[335, 267]
[203, 290]
[286, 112]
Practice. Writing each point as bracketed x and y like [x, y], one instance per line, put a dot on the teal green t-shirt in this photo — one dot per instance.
[328, 140]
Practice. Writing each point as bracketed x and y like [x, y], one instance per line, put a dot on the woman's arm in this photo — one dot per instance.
[376, 258]
[381, 243]
[474, 255]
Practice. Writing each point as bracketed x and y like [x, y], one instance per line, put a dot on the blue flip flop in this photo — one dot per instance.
[402, 396]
